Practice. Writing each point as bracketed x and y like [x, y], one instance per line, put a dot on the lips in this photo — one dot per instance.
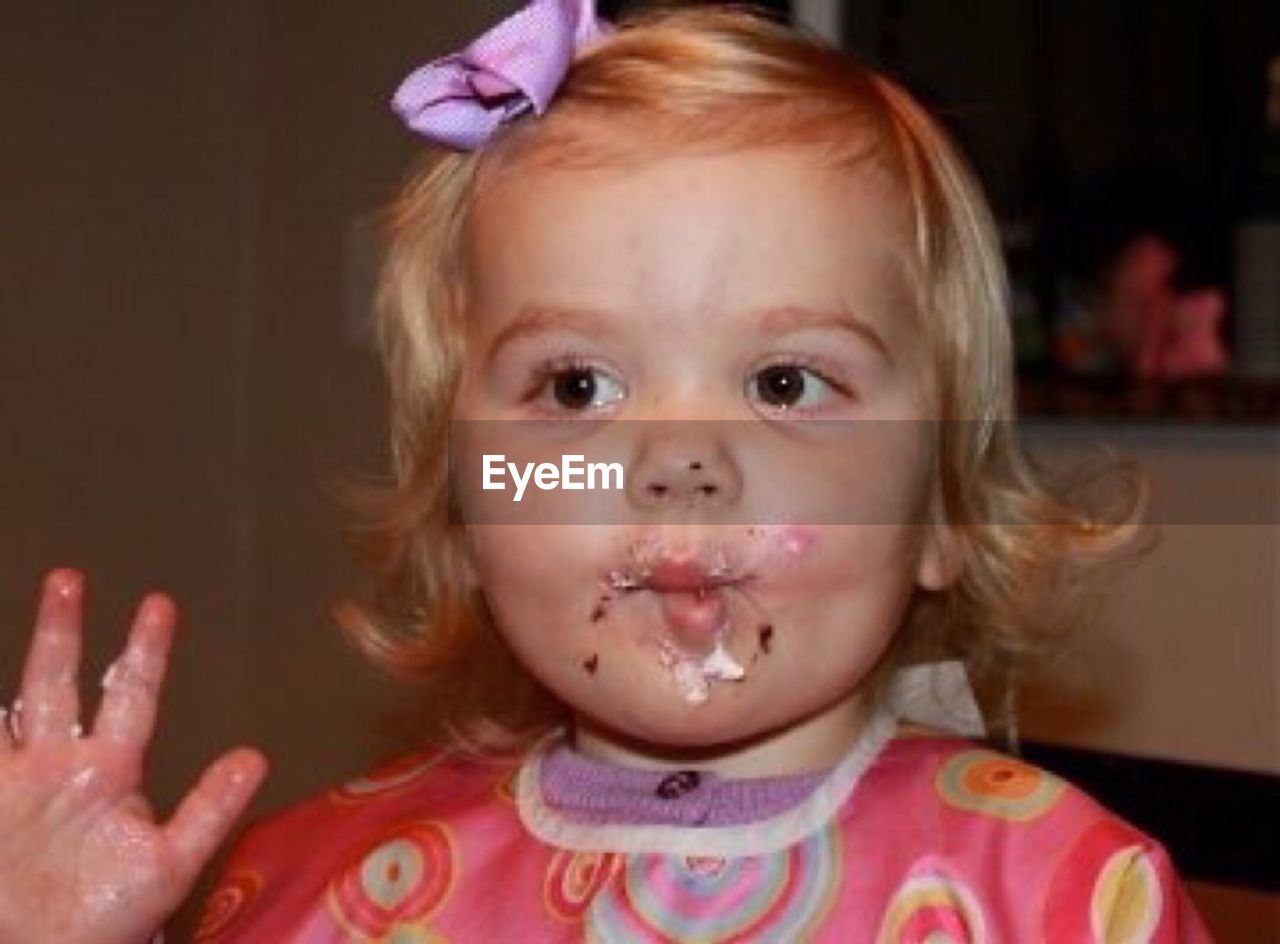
[695, 618]
[692, 597]
[690, 586]
[686, 582]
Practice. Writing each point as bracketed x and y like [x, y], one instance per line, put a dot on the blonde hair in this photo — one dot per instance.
[719, 79]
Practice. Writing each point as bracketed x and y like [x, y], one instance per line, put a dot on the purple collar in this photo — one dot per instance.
[596, 792]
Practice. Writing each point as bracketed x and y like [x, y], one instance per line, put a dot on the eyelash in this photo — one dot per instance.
[546, 371]
[812, 366]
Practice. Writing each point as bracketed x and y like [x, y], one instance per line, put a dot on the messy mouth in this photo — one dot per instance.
[691, 591]
[691, 594]
[705, 590]
[675, 574]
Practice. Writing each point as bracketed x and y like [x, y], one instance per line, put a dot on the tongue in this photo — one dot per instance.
[694, 617]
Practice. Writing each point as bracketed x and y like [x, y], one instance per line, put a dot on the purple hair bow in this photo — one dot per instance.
[461, 100]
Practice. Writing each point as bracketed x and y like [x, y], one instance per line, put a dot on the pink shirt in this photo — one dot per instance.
[909, 839]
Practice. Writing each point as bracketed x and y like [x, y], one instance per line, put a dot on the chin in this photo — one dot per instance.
[726, 718]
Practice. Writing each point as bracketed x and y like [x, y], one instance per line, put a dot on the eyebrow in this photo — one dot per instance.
[791, 318]
[536, 320]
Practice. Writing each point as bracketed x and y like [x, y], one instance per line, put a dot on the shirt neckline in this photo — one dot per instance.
[587, 790]
[763, 837]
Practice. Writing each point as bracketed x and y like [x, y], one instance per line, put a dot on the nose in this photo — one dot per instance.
[685, 467]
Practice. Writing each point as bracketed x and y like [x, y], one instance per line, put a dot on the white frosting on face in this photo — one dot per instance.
[691, 682]
[720, 664]
[692, 676]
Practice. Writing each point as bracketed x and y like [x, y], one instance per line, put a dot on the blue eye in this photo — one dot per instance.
[579, 387]
[789, 386]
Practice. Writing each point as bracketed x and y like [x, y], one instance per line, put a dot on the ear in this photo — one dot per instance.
[940, 563]
[939, 559]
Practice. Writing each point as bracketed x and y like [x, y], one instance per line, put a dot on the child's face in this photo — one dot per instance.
[694, 319]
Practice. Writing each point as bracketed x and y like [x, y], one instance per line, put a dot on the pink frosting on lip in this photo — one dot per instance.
[678, 563]
[683, 575]
[658, 566]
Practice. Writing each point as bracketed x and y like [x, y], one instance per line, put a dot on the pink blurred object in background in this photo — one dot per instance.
[1158, 331]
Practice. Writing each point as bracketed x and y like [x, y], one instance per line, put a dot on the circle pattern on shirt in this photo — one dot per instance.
[574, 878]
[229, 900]
[1106, 889]
[932, 909]
[779, 897]
[1126, 900]
[982, 781]
[401, 880]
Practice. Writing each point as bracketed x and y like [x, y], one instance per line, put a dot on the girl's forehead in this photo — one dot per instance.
[692, 228]
[805, 167]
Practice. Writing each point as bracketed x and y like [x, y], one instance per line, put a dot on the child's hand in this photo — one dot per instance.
[82, 858]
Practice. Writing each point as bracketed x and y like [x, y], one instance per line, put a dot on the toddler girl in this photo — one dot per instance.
[757, 278]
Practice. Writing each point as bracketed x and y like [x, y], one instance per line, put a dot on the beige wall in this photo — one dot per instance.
[127, 306]
[179, 375]
[177, 384]
[329, 152]
[1183, 662]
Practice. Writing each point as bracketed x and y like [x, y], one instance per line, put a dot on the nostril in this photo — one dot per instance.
[658, 489]
[708, 489]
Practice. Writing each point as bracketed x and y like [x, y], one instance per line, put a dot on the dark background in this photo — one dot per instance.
[1090, 121]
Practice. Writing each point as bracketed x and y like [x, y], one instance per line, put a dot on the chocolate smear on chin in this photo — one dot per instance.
[591, 663]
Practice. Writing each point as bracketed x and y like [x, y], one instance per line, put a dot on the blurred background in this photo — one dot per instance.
[185, 259]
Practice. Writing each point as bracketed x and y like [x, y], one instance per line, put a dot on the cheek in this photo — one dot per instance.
[862, 472]
[846, 596]
[533, 575]
[834, 558]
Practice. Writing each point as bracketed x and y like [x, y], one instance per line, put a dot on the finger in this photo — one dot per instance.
[6, 742]
[138, 805]
[49, 691]
[205, 816]
[131, 686]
